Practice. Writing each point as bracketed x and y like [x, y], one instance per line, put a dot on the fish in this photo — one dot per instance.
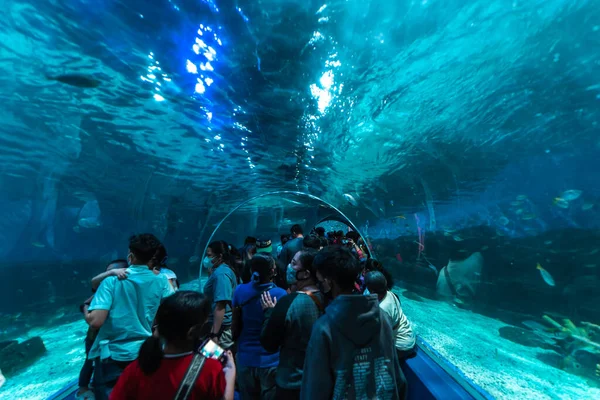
[77, 80]
[546, 275]
[521, 197]
[515, 203]
[528, 217]
[595, 251]
[38, 244]
[76, 229]
[89, 223]
[503, 220]
[194, 259]
[519, 211]
[400, 217]
[590, 265]
[570, 195]
[560, 202]
[548, 242]
[2, 379]
[457, 238]
[484, 248]
[587, 206]
[350, 199]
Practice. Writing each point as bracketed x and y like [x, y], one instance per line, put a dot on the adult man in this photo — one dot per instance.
[292, 246]
[124, 310]
[351, 350]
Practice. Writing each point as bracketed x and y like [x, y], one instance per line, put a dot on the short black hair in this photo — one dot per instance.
[374, 265]
[306, 258]
[376, 283]
[339, 265]
[324, 242]
[311, 242]
[320, 231]
[250, 240]
[145, 247]
[296, 230]
[353, 235]
[119, 261]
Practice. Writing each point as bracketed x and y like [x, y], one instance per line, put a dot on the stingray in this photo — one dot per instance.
[78, 80]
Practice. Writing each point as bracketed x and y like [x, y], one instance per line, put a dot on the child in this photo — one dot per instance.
[165, 356]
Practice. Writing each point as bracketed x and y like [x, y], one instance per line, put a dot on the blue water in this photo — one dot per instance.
[462, 121]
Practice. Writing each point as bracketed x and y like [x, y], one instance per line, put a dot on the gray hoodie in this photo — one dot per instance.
[351, 353]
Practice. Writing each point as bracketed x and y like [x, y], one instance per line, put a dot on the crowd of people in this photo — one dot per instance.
[314, 318]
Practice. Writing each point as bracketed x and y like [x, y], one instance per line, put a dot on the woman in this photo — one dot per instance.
[160, 369]
[256, 366]
[219, 290]
[159, 266]
[289, 322]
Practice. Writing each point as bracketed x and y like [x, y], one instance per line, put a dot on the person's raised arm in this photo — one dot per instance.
[120, 273]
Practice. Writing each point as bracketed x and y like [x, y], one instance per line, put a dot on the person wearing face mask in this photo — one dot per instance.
[123, 311]
[353, 337]
[256, 365]
[219, 290]
[289, 321]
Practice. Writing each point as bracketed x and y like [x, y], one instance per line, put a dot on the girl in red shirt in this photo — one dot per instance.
[160, 368]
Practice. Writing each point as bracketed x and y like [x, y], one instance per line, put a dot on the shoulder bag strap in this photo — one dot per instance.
[316, 300]
[397, 302]
[189, 380]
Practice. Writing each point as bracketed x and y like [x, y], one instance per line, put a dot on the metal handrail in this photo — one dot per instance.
[281, 192]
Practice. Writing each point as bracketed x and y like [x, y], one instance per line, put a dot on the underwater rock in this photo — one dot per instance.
[582, 362]
[20, 355]
[525, 337]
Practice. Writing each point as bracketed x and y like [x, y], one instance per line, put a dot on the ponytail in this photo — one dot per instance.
[151, 355]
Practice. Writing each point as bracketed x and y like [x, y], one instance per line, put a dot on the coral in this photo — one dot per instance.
[580, 352]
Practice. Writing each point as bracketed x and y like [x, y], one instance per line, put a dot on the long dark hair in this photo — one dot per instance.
[222, 249]
[178, 314]
[306, 259]
[147, 249]
[263, 267]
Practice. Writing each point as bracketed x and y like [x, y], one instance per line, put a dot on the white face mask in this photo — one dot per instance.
[366, 292]
[207, 262]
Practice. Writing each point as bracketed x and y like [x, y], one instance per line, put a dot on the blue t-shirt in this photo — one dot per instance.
[220, 287]
[132, 304]
[250, 352]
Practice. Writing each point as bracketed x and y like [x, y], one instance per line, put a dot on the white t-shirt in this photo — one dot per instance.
[405, 336]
